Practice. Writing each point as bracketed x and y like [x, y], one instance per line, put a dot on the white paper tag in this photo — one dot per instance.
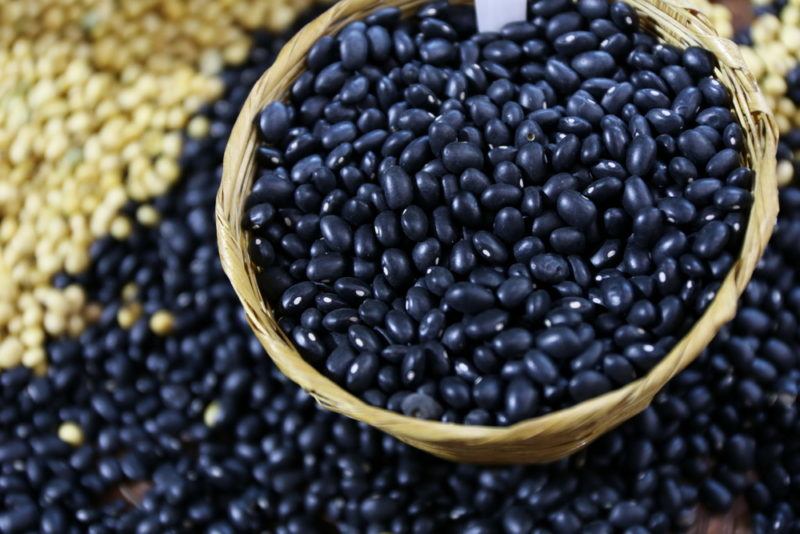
[494, 14]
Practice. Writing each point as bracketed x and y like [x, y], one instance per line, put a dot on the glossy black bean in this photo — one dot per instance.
[702, 191]
[512, 342]
[274, 122]
[326, 267]
[595, 63]
[716, 117]
[617, 96]
[607, 254]
[509, 225]
[687, 103]
[627, 514]
[561, 76]
[438, 51]
[722, 163]
[404, 47]
[330, 79]
[397, 267]
[588, 384]
[624, 16]
[616, 139]
[421, 406]
[567, 241]
[636, 196]
[566, 153]
[400, 326]
[386, 230]
[321, 53]
[426, 254]
[647, 99]
[575, 42]
[575, 209]
[414, 223]
[559, 342]
[521, 399]
[460, 156]
[617, 294]
[698, 62]
[470, 298]
[337, 233]
[443, 227]
[711, 239]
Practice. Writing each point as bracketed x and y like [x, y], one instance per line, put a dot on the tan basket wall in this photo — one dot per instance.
[560, 433]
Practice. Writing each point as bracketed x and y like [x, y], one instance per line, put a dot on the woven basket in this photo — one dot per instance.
[560, 433]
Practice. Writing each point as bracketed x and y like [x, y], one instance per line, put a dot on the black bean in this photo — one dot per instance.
[698, 62]
[576, 209]
[593, 64]
[722, 163]
[627, 514]
[521, 399]
[696, 146]
[397, 267]
[298, 297]
[489, 247]
[336, 232]
[561, 76]
[616, 222]
[421, 406]
[687, 103]
[437, 51]
[386, 229]
[414, 223]
[617, 96]
[326, 267]
[400, 327]
[641, 155]
[466, 297]
[624, 16]
[711, 239]
[404, 47]
[636, 196]
[460, 156]
[574, 42]
[566, 153]
[513, 341]
[559, 342]
[549, 268]
[330, 79]
[702, 191]
[274, 122]
[486, 323]
[588, 384]
[455, 392]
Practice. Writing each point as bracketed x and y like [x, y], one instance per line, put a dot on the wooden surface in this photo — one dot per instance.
[742, 12]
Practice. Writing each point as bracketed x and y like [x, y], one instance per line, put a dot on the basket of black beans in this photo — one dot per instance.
[496, 246]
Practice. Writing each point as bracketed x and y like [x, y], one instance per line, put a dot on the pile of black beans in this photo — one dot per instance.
[482, 228]
[726, 430]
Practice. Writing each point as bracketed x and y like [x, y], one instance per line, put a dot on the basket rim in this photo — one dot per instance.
[444, 439]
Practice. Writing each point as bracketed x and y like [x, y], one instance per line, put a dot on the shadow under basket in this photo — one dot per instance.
[560, 433]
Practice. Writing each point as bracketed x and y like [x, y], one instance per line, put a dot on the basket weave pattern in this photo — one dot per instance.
[560, 433]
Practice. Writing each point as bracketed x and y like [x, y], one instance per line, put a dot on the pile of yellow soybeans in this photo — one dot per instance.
[94, 98]
[774, 52]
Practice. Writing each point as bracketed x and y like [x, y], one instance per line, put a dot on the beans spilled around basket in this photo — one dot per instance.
[481, 228]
